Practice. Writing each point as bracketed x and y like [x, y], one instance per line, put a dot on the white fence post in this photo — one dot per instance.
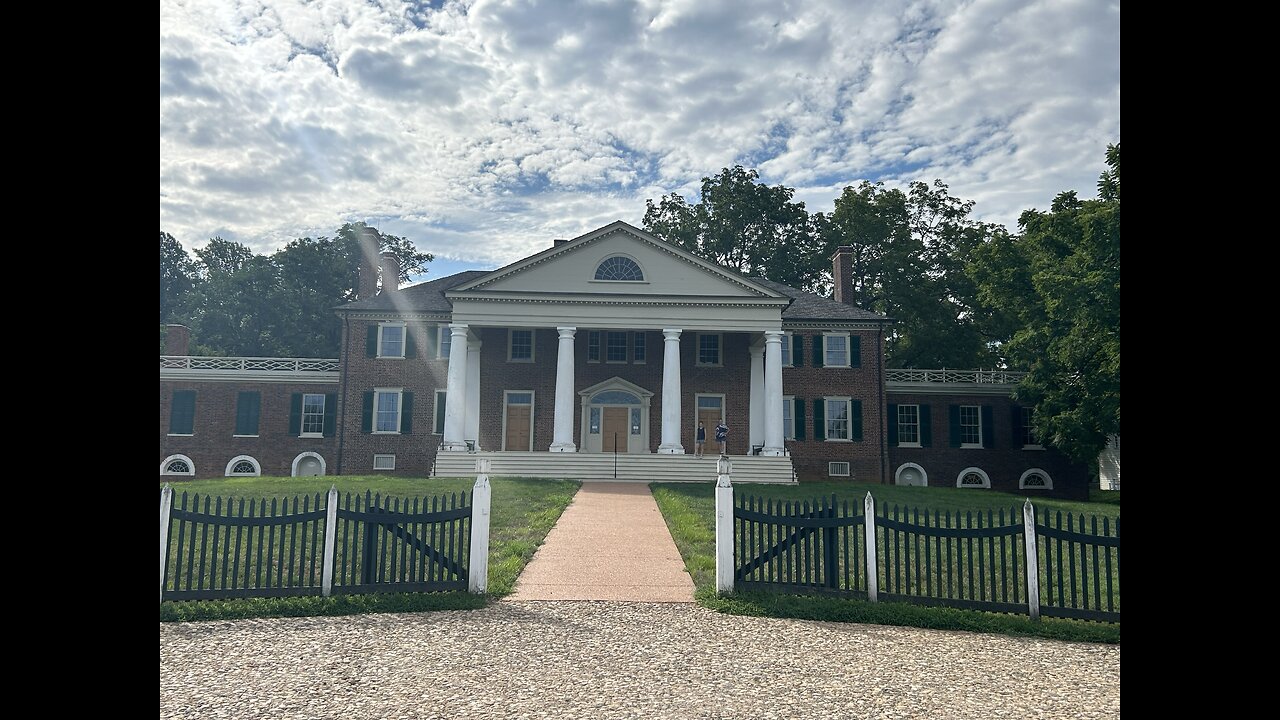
[1033, 559]
[724, 527]
[330, 541]
[869, 533]
[481, 496]
[166, 506]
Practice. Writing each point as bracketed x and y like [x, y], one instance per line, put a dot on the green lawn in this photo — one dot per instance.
[689, 510]
[522, 513]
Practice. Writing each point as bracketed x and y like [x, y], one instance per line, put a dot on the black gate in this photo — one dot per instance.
[399, 546]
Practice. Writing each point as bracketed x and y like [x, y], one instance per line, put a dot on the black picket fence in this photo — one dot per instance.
[241, 547]
[973, 560]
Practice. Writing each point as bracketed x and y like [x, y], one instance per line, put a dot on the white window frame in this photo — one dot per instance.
[897, 474]
[399, 393]
[304, 416]
[599, 337]
[639, 342]
[697, 408]
[826, 350]
[442, 348]
[697, 350]
[191, 467]
[605, 349]
[971, 446]
[533, 343]
[1026, 415]
[324, 467]
[1048, 479]
[644, 275]
[532, 397]
[787, 347]
[788, 417]
[257, 467]
[848, 468]
[440, 393]
[826, 417]
[404, 339]
[917, 443]
[384, 456]
[986, 479]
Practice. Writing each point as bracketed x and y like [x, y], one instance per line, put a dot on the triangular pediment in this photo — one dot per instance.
[616, 383]
[570, 268]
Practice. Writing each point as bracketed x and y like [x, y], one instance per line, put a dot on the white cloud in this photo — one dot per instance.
[483, 129]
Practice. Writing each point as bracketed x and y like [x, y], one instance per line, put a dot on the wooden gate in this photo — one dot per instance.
[396, 546]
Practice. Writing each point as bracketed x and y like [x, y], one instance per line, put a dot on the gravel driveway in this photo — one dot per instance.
[619, 660]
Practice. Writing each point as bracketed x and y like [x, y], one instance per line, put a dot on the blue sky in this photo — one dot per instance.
[482, 130]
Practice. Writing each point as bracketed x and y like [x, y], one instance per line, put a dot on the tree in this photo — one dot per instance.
[1059, 281]
[742, 225]
[177, 276]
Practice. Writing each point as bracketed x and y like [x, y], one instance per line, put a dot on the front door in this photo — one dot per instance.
[614, 427]
[710, 413]
[519, 421]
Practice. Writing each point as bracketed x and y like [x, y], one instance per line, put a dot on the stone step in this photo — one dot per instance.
[629, 468]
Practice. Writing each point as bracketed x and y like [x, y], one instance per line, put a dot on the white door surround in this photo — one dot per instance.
[614, 392]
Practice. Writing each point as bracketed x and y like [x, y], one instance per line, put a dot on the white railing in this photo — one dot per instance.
[249, 364]
[980, 377]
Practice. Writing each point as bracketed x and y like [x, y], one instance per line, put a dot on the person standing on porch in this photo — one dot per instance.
[722, 435]
[699, 440]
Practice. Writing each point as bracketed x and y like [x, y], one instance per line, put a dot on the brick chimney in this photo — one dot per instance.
[558, 242]
[368, 283]
[177, 340]
[842, 274]
[390, 271]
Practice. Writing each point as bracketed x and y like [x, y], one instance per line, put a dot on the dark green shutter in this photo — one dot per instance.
[798, 418]
[248, 408]
[410, 349]
[954, 411]
[817, 350]
[855, 420]
[440, 400]
[988, 427]
[295, 414]
[371, 342]
[433, 342]
[406, 413]
[366, 418]
[855, 351]
[819, 420]
[182, 413]
[797, 352]
[1015, 419]
[330, 414]
[892, 411]
[926, 427]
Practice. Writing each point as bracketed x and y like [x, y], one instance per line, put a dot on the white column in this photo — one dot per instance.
[724, 528]
[481, 498]
[671, 394]
[562, 432]
[472, 426]
[756, 430]
[455, 405]
[773, 392]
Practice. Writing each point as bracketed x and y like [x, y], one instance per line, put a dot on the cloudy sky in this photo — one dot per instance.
[484, 129]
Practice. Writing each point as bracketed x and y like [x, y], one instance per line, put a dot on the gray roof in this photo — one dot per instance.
[808, 306]
[428, 297]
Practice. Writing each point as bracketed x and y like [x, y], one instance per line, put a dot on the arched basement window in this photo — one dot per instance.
[242, 466]
[177, 465]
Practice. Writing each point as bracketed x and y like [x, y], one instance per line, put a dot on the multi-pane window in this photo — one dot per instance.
[786, 350]
[837, 410]
[637, 347]
[593, 346]
[391, 340]
[312, 415]
[970, 426]
[615, 347]
[446, 341]
[386, 411]
[521, 346]
[788, 417]
[908, 424]
[619, 268]
[708, 349]
[836, 349]
[1029, 438]
[635, 421]
[593, 426]
[384, 462]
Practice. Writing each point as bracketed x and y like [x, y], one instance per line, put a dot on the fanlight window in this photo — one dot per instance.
[615, 397]
[178, 467]
[244, 467]
[972, 478]
[619, 267]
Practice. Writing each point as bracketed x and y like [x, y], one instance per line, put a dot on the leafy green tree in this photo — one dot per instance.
[1059, 283]
[177, 276]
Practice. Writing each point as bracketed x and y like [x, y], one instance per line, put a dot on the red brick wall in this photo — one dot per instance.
[212, 445]
[1004, 463]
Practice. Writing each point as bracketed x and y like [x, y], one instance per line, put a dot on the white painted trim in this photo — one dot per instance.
[869, 541]
[443, 331]
[897, 474]
[257, 467]
[1022, 481]
[376, 456]
[848, 468]
[303, 419]
[184, 458]
[898, 422]
[724, 417]
[1032, 559]
[533, 345]
[644, 274]
[399, 392]
[986, 479]
[180, 435]
[251, 436]
[971, 446]
[724, 529]
[826, 348]
[826, 405]
[293, 469]
[330, 539]
[789, 401]
[166, 507]
[481, 501]
[404, 339]
[789, 347]
[505, 405]
[697, 350]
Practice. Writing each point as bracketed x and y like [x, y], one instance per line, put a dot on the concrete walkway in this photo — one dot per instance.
[611, 543]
